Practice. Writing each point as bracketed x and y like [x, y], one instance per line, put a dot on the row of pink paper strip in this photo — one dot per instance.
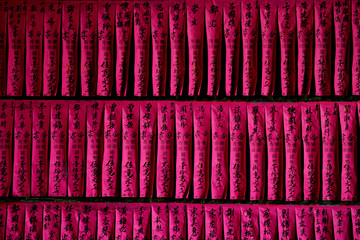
[66, 148]
[68, 221]
[35, 30]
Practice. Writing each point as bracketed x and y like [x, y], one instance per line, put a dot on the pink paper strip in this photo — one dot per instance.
[106, 21]
[15, 221]
[165, 149]
[275, 150]
[195, 214]
[237, 168]
[141, 222]
[33, 221]
[142, 47]
[51, 221]
[323, 222]
[177, 221]
[355, 19]
[256, 129]
[40, 148]
[16, 53]
[201, 116]
[349, 126]
[213, 222]
[310, 128]
[58, 149]
[220, 143]
[87, 221]
[304, 218]
[159, 33]
[106, 221]
[305, 45]
[249, 226]
[69, 221]
[130, 145]
[268, 18]
[22, 149]
[355, 216]
[160, 221]
[231, 220]
[88, 44]
[268, 224]
[286, 222]
[183, 119]
[148, 112]
[213, 23]
[76, 152]
[177, 25]
[322, 59]
[232, 26]
[292, 136]
[3, 53]
[3, 211]
[249, 30]
[6, 145]
[342, 222]
[124, 27]
[112, 151]
[70, 33]
[195, 32]
[52, 23]
[94, 156]
[124, 221]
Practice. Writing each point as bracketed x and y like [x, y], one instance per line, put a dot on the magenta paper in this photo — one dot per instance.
[305, 45]
[106, 21]
[249, 30]
[268, 222]
[76, 151]
[159, 34]
[51, 221]
[268, 18]
[249, 226]
[342, 23]
[213, 23]
[195, 10]
[213, 222]
[292, 137]
[355, 19]
[177, 221]
[33, 220]
[349, 126]
[286, 222]
[165, 149]
[3, 53]
[342, 222]
[148, 112]
[15, 221]
[34, 47]
[70, 33]
[130, 145]
[287, 34]
[3, 210]
[16, 53]
[141, 221]
[195, 221]
[142, 30]
[160, 221]
[256, 129]
[124, 24]
[323, 222]
[322, 59]
[355, 216]
[329, 115]
[275, 150]
[231, 12]
[220, 143]
[112, 142]
[52, 32]
[40, 148]
[69, 221]
[304, 218]
[177, 25]
[106, 221]
[58, 149]
[87, 221]
[22, 149]
[310, 128]
[124, 221]
[183, 119]
[88, 44]
[202, 134]
[94, 155]
[231, 220]
[6, 145]
[237, 145]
